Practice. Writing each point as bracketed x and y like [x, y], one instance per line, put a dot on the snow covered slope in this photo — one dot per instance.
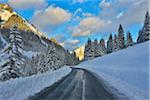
[127, 70]
[21, 88]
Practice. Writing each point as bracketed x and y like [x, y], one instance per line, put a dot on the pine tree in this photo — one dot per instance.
[129, 41]
[95, 45]
[146, 28]
[13, 53]
[89, 50]
[144, 34]
[51, 60]
[110, 44]
[115, 44]
[121, 40]
[140, 37]
[103, 50]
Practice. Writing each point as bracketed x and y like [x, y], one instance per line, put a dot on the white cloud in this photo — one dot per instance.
[27, 4]
[70, 43]
[51, 17]
[88, 26]
[125, 12]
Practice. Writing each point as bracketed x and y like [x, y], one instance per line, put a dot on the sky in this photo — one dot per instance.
[72, 22]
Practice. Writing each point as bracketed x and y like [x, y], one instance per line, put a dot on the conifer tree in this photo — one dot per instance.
[144, 34]
[103, 50]
[95, 45]
[110, 44]
[115, 44]
[11, 67]
[89, 50]
[129, 41]
[121, 39]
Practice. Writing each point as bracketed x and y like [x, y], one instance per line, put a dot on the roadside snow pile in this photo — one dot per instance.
[22, 88]
[126, 70]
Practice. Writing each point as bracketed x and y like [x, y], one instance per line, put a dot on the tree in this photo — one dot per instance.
[96, 48]
[140, 37]
[129, 41]
[115, 44]
[121, 40]
[144, 34]
[11, 68]
[89, 50]
[103, 50]
[110, 44]
[51, 60]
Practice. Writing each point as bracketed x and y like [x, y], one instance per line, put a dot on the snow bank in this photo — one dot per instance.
[21, 88]
[126, 70]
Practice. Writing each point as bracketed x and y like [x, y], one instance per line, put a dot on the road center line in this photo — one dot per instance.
[83, 89]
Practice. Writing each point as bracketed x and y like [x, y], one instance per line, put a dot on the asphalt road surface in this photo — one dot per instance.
[78, 85]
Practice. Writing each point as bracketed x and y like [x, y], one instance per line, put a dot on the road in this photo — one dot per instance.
[78, 85]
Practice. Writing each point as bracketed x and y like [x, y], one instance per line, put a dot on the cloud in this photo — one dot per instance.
[88, 26]
[27, 4]
[119, 15]
[70, 44]
[125, 12]
[50, 17]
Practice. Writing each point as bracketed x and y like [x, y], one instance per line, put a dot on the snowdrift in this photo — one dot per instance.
[22, 88]
[126, 70]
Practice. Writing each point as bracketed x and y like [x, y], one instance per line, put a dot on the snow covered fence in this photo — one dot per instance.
[22, 88]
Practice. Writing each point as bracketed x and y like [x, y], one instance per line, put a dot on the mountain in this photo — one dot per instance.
[35, 42]
[80, 52]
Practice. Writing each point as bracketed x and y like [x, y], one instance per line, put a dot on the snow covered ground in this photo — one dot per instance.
[21, 88]
[127, 70]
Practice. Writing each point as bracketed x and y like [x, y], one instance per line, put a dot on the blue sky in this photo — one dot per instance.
[72, 22]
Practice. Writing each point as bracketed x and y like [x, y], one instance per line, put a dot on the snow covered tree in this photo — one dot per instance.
[31, 66]
[129, 41]
[140, 37]
[11, 68]
[95, 46]
[144, 34]
[110, 44]
[51, 60]
[89, 50]
[115, 44]
[121, 39]
[146, 29]
[103, 50]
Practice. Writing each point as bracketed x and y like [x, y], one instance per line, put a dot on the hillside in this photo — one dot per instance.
[34, 41]
[126, 70]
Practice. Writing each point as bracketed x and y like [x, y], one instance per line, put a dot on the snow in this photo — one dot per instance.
[44, 43]
[125, 70]
[2, 39]
[22, 88]
[30, 54]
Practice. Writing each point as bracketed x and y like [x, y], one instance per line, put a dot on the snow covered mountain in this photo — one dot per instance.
[34, 41]
[126, 70]
[10, 17]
